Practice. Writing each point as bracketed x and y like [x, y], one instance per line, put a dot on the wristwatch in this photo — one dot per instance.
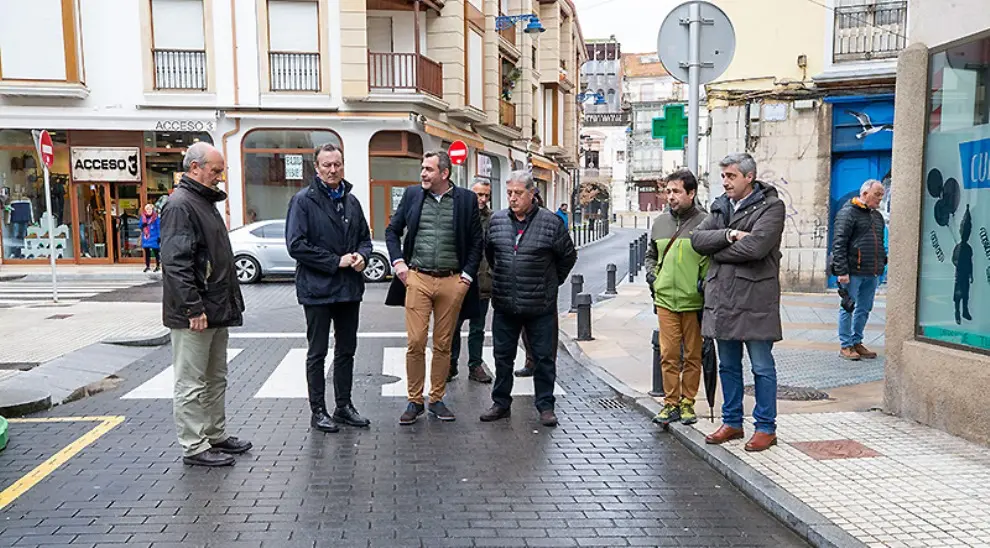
[732, 235]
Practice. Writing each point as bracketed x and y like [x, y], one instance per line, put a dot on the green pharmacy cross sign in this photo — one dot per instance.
[672, 127]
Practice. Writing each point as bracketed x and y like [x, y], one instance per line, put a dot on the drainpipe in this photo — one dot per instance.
[237, 101]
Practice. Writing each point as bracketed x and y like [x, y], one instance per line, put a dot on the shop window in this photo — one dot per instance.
[490, 170]
[954, 254]
[24, 214]
[396, 161]
[277, 164]
[163, 161]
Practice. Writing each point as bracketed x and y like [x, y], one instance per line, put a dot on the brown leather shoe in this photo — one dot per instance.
[723, 434]
[864, 352]
[849, 353]
[761, 441]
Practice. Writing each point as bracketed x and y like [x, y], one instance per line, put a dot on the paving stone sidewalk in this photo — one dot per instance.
[851, 474]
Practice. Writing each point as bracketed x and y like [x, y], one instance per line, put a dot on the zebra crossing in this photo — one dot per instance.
[21, 293]
[288, 378]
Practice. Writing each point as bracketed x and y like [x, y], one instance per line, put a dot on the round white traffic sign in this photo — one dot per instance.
[718, 42]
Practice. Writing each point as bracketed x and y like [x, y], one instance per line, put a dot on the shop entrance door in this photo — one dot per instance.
[93, 227]
[385, 198]
[125, 206]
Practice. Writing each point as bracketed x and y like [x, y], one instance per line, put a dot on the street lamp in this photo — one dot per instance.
[597, 96]
[503, 22]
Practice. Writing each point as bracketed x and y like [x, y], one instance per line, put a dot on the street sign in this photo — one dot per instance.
[458, 153]
[672, 127]
[47, 149]
[695, 44]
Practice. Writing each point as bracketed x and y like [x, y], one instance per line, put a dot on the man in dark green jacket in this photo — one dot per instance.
[674, 272]
[476, 330]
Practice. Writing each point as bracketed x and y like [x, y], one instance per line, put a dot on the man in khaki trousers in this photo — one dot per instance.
[434, 239]
[196, 255]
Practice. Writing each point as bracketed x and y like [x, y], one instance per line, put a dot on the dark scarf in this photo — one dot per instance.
[147, 221]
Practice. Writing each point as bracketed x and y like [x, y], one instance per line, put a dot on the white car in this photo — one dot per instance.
[260, 251]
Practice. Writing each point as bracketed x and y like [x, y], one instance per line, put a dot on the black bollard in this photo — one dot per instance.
[642, 250]
[657, 391]
[610, 279]
[632, 260]
[577, 286]
[584, 317]
[635, 221]
[574, 229]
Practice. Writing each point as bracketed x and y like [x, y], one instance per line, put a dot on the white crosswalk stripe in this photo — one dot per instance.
[288, 378]
[27, 293]
[160, 386]
[394, 364]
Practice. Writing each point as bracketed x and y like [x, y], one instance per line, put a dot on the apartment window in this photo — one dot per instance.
[38, 41]
[294, 45]
[869, 29]
[476, 69]
[646, 92]
[179, 47]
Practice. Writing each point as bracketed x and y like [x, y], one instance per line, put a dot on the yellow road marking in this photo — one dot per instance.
[42, 471]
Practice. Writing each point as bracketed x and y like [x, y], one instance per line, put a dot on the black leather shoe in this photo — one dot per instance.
[496, 412]
[524, 372]
[322, 422]
[548, 417]
[209, 457]
[349, 416]
[232, 446]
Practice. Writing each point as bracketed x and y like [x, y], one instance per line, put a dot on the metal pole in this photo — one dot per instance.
[584, 317]
[51, 234]
[694, 82]
[610, 279]
[577, 286]
[657, 391]
[632, 260]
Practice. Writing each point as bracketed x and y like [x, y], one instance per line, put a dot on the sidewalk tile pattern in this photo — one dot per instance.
[922, 489]
[818, 369]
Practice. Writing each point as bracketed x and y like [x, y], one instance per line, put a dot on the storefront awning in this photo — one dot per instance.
[450, 133]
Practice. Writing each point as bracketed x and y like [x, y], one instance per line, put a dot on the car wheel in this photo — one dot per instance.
[248, 269]
[377, 268]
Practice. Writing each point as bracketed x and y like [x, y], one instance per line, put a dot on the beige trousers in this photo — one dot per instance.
[441, 297]
[677, 328]
[199, 361]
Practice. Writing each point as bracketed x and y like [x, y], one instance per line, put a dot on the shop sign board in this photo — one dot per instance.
[184, 125]
[293, 167]
[110, 164]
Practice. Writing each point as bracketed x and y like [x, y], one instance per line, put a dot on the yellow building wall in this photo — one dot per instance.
[770, 35]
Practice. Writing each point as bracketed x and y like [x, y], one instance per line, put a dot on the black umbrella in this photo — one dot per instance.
[709, 368]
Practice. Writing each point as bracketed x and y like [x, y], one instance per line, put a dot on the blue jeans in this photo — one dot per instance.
[862, 289]
[730, 354]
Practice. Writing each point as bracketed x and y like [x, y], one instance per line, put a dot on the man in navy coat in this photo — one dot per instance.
[328, 236]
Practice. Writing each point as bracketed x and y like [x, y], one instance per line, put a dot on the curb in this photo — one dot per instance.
[808, 523]
[157, 340]
[24, 401]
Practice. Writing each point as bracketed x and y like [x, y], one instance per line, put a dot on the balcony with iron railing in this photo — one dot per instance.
[596, 174]
[867, 32]
[180, 69]
[405, 72]
[294, 71]
[507, 114]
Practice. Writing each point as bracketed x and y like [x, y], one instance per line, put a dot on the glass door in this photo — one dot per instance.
[125, 207]
[93, 203]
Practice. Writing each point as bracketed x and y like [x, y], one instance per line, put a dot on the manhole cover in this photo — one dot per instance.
[611, 403]
[794, 393]
[59, 316]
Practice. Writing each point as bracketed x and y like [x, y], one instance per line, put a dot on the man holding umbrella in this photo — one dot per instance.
[674, 271]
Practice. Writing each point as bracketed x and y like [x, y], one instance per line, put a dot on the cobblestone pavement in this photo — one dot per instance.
[605, 477]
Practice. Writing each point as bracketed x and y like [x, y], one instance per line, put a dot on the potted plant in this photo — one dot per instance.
[509, 82]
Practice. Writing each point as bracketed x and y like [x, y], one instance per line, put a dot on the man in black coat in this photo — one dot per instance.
[201, 298]
[531, 255]
[859, 257]
[436, 268]
[328, 236]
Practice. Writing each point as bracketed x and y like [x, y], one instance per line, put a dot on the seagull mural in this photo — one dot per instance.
[867, 124]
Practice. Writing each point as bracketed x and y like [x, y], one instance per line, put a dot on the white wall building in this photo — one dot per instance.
[266, 82]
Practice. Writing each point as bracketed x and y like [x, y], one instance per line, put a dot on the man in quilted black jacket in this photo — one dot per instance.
[531, 254]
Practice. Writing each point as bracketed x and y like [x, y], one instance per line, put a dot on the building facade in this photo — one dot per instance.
[938, 331]
[133, 83]
[603, 134]
[813, 103]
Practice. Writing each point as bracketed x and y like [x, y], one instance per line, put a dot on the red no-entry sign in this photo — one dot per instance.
[47, 149]
[458, 152]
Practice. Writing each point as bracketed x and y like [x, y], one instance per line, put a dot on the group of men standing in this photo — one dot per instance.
[452, 258]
